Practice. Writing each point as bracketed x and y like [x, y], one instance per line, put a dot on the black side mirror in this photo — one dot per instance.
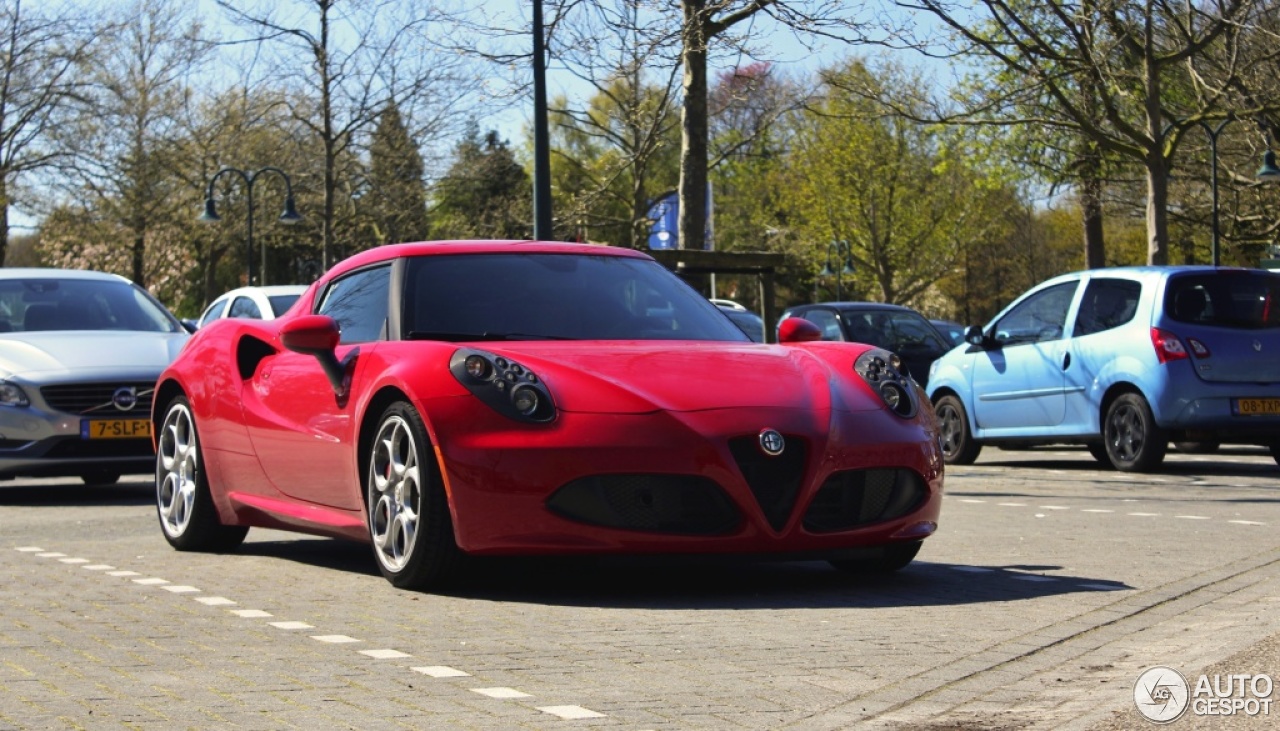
[973, 335]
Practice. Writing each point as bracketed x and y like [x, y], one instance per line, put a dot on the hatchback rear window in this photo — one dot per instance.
[1246, 299]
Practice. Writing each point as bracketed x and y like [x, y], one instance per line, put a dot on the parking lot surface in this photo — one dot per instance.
[1051, 585]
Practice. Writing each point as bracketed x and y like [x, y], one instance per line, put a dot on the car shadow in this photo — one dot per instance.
[78, 495]
[697, 582]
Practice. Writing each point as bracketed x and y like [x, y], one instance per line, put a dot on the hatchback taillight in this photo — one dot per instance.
[1168, 346]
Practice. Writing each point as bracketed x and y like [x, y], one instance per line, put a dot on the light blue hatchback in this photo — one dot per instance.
[1124, 360]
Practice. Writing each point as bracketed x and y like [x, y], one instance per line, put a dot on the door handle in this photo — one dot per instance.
[1066, 361]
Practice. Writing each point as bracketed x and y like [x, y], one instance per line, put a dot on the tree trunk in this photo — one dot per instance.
[4, 218]
[1157, 214]
[1091, 212]
[693, 127]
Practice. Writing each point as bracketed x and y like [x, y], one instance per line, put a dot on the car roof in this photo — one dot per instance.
[50, 273]
[268, 290]
[854, 306]
[483, 246]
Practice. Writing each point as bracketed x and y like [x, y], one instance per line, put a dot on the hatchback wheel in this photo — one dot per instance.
[958, 444]
[409, 522]
[1133, 440]
[185, 506]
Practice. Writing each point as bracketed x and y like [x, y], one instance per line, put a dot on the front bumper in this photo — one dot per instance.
[507, 482]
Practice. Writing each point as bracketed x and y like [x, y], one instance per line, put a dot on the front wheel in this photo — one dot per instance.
[183, 501]
[885, 560]
[958, 444]
[409, 521]
[1133, 440]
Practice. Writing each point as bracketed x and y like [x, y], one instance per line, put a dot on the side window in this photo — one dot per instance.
[1107, 303]
[213, 313]
[358, 302]
[1038, 318]
[826, 321]
[245, 307]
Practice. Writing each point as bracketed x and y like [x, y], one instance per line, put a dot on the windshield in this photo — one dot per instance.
[555, 296]
[44, 304]
[1246, 299]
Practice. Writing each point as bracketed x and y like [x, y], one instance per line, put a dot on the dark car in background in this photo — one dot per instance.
[896, 328]
[747, 321]
[951, 330]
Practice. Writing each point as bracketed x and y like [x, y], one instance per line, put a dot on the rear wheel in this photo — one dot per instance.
[100, 477]
[409, 521]
[1099, 452]
[1133, 440]
[958, 444]
[183, 501]
[885, 560]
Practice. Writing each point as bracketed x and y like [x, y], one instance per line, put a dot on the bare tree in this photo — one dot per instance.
[346, 61]
[41, 55]
[1126, 54]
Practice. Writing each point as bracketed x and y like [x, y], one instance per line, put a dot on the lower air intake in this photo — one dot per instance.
[856, 498]
[676, 504]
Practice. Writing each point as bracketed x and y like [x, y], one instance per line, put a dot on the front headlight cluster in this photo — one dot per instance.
[12, 395]
[883, 371]
[506, 386]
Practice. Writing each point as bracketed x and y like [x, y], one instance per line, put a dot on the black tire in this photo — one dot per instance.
[1134, 442]
[1197, 447]
[885, 560]
[100, 477]
[958, 444]
[410, 527]
[1099, 452]
[184, 504]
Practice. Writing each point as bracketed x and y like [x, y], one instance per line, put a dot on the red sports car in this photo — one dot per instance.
[446, 399]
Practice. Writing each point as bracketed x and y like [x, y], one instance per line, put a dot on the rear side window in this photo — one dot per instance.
[1243, 299]
[1107, 303]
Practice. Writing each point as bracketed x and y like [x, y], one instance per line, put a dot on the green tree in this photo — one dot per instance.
[396, 198]
[485, 194]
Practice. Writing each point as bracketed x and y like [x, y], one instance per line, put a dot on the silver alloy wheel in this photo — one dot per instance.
[178, 466]
[395, 494]
[1127, 432]
[950, 428]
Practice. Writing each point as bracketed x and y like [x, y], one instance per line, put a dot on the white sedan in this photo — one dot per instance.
[258, 303]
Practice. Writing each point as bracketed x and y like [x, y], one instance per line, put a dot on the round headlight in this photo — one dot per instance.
[895, 362]
[477, 367]
[892, 395]
[525, 400]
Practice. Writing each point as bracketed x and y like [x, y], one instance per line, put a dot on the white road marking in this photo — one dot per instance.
[570, 713]
[441, 671]
[291, 625]
[385, 654]
[1096, 510]
[501, 692]
[967, 500]
[334, 639]
[1145, 515]
[29, 549]
[1193, 517]
[250, 613]
[50, 554]
[1245, 522]
[1012, 505]
[215, 601]
[151, 581]
[97, 567]
[181, 589]
[123, 573]
[73, 560]
[1054, 507]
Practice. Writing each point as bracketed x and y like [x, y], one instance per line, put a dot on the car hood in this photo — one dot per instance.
[41, 356]
[641, 377]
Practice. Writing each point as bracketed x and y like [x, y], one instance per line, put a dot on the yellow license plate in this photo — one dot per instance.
[115, 428]
[1257, 407]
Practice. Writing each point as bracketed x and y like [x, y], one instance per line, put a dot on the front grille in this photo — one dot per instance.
[775, 481]
[677, 504]
[95, 399]
[855, 498]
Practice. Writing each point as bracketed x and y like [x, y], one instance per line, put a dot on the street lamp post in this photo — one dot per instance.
[1268, 171]
[844, 256]
[288, 217]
